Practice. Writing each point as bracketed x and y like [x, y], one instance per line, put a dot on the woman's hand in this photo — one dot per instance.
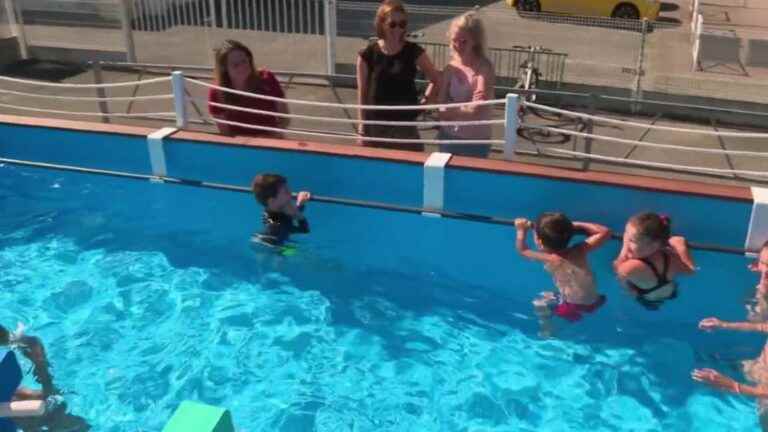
[715, 379]
[709, 324]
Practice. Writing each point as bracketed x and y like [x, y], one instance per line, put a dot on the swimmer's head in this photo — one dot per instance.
[553, 231]
[646, 233]
[234, 63]
[271, 191]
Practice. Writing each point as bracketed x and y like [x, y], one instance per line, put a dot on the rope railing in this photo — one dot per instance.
[353, 137]
[181, 96]
[80, 113]
[645, 143]
[649, 164]
[346, 106]
[87, 98]
[84, 86]
[352, 120]
[644, 125]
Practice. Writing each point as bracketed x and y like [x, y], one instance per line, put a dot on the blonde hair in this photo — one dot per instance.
[470, 23]
[385, 10]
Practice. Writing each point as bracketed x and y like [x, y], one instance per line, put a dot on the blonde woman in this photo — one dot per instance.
[386, 75]
[468, 77]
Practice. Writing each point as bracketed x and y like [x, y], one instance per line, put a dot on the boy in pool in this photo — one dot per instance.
[282, 217]
[567, 264]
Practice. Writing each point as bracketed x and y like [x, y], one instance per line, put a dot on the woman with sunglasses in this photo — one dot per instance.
[386, 75]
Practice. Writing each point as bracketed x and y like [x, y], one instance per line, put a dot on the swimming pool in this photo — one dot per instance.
[148, 294]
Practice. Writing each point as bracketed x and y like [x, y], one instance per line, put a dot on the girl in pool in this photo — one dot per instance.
[468, 77]
[235, 70]
[651, 258]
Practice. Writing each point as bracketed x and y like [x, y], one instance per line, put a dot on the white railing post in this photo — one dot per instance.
[224, 15]
[330, 37]
[212, 7]
[127, 22]
[511, 123]
[16, 21]
[179, 99]
[697, 42]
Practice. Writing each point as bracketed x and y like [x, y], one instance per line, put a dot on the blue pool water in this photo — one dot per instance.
[146, 295]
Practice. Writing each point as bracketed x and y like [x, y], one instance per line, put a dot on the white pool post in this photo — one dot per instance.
[758, 222]
[434, 183]
[511, 123]
[179, 99]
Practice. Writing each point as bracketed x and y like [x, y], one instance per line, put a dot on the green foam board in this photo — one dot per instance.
[197, 417]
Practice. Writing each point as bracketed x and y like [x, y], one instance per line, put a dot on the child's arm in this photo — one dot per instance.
[303, 225]
[680, 246]
[522, 226]
[709, 324]
[596, 234]
[719, 381]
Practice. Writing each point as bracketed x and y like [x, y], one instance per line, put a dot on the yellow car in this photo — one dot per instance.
[627, 9]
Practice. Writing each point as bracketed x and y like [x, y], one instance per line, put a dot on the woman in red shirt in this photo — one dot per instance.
[234, 69]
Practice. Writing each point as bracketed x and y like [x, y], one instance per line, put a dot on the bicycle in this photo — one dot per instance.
[527, 86]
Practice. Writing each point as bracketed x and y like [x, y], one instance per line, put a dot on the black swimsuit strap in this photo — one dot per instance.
[661, 278]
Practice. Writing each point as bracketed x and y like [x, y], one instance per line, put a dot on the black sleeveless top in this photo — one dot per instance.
[392, 80]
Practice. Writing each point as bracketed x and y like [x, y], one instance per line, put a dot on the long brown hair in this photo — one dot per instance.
[221, 72]
[385, 10]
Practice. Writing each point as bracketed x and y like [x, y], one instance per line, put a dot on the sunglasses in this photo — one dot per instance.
[401, 24]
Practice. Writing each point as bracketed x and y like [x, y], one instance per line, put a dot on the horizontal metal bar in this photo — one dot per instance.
[471, 217]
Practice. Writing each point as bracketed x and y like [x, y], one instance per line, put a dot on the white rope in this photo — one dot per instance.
[338, 105]
[82, 86]
[355, 137]
[87, 113]
[85, 98]
[645, 143]
[644, 125]
[353, 121]
[658, 164]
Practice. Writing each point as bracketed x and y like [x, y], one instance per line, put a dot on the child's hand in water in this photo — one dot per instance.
[709, 324]
[523, 224]
[715, 379]
[302, 197]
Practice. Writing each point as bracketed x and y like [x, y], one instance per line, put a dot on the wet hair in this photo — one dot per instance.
[653, 226]
[554, 230]
[267, 186]
[386, 9]
[473, 26]
[221, 72]
[765, 246]
[5, 337]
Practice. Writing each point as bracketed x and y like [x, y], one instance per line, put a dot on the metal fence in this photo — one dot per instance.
[283, 16]
[628, 56]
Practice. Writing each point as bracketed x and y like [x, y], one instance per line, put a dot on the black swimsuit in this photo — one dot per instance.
[661, 282]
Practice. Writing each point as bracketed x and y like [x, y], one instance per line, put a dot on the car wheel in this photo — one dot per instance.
[626, 11]
[528, 6]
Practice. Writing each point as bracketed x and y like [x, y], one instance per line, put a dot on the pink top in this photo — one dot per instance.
[465, 86]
